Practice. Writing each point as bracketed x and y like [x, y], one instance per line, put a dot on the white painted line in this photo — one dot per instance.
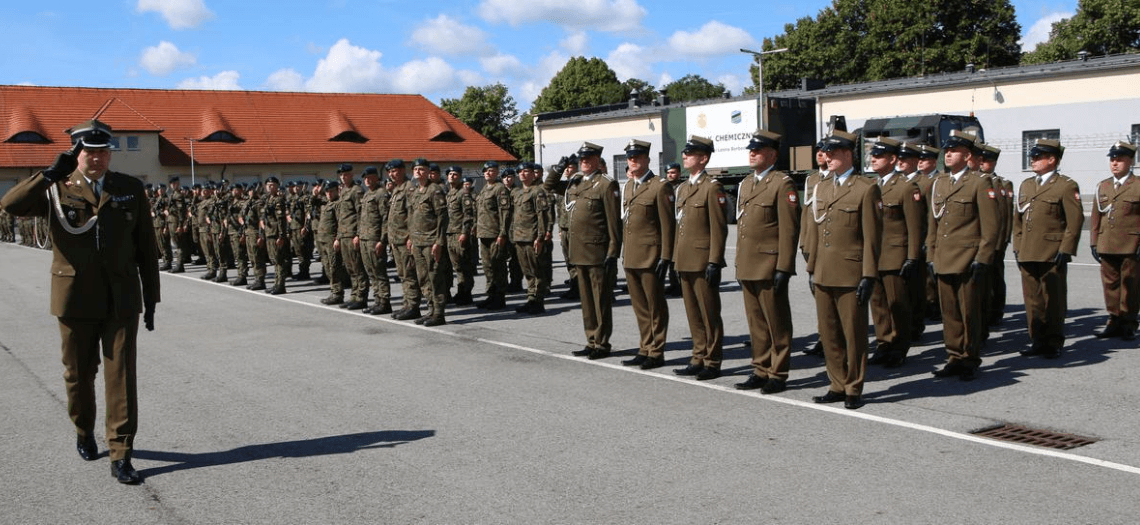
[756, 395]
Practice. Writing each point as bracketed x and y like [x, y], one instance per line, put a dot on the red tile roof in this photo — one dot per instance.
[273, 127]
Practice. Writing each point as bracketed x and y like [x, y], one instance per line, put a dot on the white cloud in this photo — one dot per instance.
[164, 58]
[469, 78]
[575, 43]
[285, 80]
[226, 80]
[348, 68]
[599, 15]
[549, 66]
[1039, 31]
[446, 36]
[630, 61]
[664, 80]
[180, 14]
[712, 39]
[502, 65]
[424, 76]
[733, 83]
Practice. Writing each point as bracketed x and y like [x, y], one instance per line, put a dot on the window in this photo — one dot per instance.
[222, 136]
[28, 137]
[114, 143]
[132, 143]
[617, 169]
[1029, 137]
[1135, 134]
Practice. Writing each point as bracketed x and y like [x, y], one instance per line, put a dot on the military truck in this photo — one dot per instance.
[931, 129]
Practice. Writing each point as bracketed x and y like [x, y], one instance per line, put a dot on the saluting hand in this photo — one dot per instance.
[64, 164]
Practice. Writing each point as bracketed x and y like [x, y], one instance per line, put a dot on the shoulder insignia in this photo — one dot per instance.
[917, 196]
[792, 197]
[991, 193]
[671, 197]
[720, 197]
[1077, 195]
[880, 204]
[617, 193]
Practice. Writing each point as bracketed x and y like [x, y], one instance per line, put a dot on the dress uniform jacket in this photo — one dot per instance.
[810, 184]
[650, 222]
[595, 220]
[103, 249]
[846, 223]
[1048, 219]
[702, 226]
[767, 226]
[1115, 228]
[902, 223]
[963, 223]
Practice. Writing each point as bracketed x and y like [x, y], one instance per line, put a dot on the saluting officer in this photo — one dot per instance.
[1115, 244]
[1046, 230]
[767, 227]
[702, 230]
[960, 242]
[428, 241]
[899, 253]
[461, 234]
[846, 215]
[493, 227]
[374, 240]
[595, 244]
[650, 228]
[104, 272]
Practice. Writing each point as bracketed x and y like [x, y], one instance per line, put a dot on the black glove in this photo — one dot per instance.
[661, 270]
[863, 290]
[610, 263]
[811, 284]
[1095, 254]
[65, 163]
[1063, 258]
[148, 317]
[781, 281]
[908, 268]
[977, 270]
[712, 275]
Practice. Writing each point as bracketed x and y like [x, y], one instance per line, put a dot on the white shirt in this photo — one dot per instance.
[841, 179]
[958, 175]
[760, 176]
[1043, 178]
[694, 179]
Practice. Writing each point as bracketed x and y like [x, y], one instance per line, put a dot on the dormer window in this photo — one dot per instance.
[222, 136]
[349, 136]
[28, 137]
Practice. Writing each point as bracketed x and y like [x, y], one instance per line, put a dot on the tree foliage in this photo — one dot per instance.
[1100, 27]
[692, 87]
[644, 91]
[522, 137]
[866, 40]
[490, 110]
[581, 83]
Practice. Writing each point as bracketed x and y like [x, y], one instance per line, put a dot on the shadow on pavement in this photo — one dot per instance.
[324, 446]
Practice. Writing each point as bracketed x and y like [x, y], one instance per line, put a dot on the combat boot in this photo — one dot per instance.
[409, 314]
[435, 320]
[277, 290]
[463, 298]
[526, 307]
[383, 306]
[259, 284]
[165, 265]
[333, 299]
[210, 274]
[357, 305]
[240, 281]
[222, 277]
[430, 314]
[496, 302]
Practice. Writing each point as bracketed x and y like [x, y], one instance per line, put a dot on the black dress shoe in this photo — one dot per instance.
[1051, 352]
[829, 397]
[1112, 329]
[585, 351]
[708, 373]
[122, 471]
[774, 386]
[882, 350]
[816, 350]
[752, 383]
[87, 448]
[853, 402]
[652, 362]
[894, 361]
[598, 353]
[950, 370]
[1035, 349]
[690, 370]
[636, 361]
[969, 373]
[1128, 334]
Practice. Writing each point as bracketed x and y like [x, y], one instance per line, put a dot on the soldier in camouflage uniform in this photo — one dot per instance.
[347, 241]
[235, 234]
[158, 205]
[428, 241]
[510, 177]
[219, 234]
[374, 240]
[493, 229]
[273, 228]
[461, 234]
[201, 221]
[330, 256]
[250, 221]
[531, 224]
[301, 232]
[399, 211]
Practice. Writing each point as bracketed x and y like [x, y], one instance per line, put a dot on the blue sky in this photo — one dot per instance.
[428, 47]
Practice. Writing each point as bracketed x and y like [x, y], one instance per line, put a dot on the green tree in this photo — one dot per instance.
[581, 83]
[692, 87]
[1100, 27]
[866, 40]
[522, 137]
[644, 91]
[490, 110]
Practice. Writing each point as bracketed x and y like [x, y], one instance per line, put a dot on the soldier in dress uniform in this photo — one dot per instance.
[493, 223]
[1115, 243]
[104, 273]
[273, 228]
[673, 179]
[1003, 191]
[399, 213]
[899, 254]
[373, 233]
[702, 231]
[907, 167]
[650, 230]
[961, 237]
[530, 225]
[928, 171]
[428, 241]
[595, 244]
[810, 183]
[846, 214]
[767, 228]
[557, 181]
[1046, 230]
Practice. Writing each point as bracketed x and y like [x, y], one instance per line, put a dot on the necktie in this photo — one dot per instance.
[98, 187]
[1039, 179]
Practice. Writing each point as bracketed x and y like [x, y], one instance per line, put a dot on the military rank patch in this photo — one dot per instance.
[721, 198]
[672, 198]
[792, 197]
[917, 196]
[991, 193]
[616, 194]
[1077, 196]
[880, 204]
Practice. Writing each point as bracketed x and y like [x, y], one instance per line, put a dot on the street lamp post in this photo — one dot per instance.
[191, 161]
[759, 56]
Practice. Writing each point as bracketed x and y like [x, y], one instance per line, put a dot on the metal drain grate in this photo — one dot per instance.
[1035, 437]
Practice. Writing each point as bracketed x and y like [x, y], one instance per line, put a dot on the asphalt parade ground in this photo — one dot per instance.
[277, 409]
